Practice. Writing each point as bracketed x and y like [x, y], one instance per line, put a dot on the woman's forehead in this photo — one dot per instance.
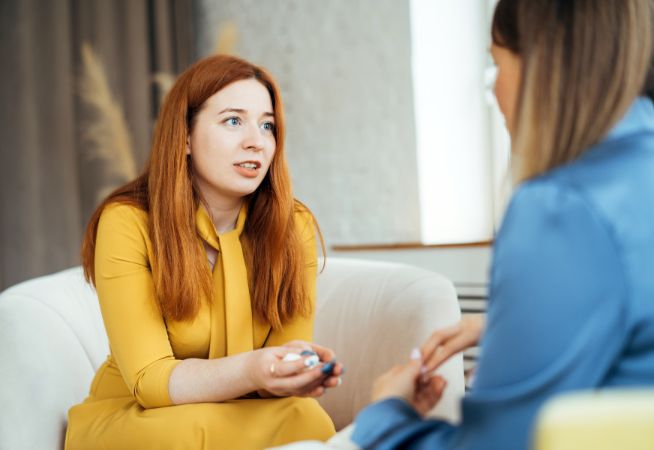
[247, 95]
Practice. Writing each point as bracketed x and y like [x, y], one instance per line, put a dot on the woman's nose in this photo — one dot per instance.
[253, 138]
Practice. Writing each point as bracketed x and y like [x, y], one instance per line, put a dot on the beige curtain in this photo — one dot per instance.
[52, 174]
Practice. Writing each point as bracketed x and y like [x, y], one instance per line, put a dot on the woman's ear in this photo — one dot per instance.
[188, 144]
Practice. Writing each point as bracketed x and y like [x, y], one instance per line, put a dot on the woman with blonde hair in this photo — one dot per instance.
[572, 287]
[205, 268]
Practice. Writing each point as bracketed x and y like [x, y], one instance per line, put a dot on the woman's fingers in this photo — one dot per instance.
[428, 394]
[299, 384]
[296, 346]
[324, 353]
[431, 346]
[332, 382]
[328, 381]
[399, 381]
[451, 340]
[437, 386]
[281, 369]
[443, 352]
[301, 377]
[317, 392]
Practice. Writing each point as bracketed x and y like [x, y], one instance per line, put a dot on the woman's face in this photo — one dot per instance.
[232, 142]
[507, 83]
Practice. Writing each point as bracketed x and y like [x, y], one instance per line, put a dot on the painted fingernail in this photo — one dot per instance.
[308, 353]
[340, 381]
[415, 354]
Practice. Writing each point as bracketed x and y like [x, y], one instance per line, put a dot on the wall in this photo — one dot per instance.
[344, 69]
[467, 266]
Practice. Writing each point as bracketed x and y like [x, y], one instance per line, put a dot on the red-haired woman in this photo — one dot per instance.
[205, 267]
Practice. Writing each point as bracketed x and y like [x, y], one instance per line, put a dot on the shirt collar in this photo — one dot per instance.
[638, 118]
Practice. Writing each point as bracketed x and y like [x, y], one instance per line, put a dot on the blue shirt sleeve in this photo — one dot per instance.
[393, 424]
[556, 322]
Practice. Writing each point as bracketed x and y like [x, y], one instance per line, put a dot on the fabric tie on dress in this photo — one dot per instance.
[238, 310]
[231, 311]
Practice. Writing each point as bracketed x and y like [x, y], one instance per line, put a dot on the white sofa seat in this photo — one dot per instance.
[52, 340]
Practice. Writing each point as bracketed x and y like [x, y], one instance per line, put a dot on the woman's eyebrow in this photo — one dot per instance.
[243, 111]
[236, 110]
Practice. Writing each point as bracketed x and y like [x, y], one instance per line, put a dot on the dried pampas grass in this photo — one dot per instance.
[226, 39]
[105, 135]
[164, 82]
[225, 43]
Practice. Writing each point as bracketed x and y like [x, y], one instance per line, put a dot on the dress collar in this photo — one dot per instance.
[207, 230]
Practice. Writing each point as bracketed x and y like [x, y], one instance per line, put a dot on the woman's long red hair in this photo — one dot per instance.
[273, 249]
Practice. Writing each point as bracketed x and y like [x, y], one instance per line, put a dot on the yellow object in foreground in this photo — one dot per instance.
[617, 419]
[128, 406]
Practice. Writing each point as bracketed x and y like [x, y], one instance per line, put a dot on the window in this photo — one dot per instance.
[462, 146]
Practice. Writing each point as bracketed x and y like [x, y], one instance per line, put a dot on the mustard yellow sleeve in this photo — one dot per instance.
[302, 327]
[137, 333]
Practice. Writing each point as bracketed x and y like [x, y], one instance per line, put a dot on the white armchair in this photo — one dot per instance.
[372, 314]
[52, 340]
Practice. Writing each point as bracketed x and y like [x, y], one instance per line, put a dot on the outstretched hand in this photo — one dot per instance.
[449, 341]
[405, 381]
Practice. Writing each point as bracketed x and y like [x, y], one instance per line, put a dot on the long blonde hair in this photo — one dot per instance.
[583, 63]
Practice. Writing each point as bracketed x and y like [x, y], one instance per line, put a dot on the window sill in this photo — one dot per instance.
[405, 246]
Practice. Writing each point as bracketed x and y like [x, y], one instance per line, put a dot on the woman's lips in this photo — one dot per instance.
[248, 169]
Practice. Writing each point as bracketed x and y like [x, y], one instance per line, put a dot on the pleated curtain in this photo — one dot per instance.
[57, 158]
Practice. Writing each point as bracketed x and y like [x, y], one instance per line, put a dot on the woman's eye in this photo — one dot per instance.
[233, 121]
[268, 126]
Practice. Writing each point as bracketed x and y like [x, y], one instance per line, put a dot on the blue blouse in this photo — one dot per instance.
[571, 299]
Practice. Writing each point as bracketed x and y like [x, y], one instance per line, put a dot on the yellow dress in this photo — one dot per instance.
[128, 406]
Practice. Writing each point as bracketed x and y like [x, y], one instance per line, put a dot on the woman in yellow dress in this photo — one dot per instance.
[205, 268]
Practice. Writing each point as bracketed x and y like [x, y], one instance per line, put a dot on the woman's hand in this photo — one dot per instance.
[275, 377]
[326, 355]
[405, 381]
[451, 340]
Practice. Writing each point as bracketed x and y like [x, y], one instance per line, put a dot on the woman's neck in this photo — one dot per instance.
[224, 214]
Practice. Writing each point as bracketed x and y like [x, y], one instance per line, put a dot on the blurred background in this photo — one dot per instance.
[394, 139]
